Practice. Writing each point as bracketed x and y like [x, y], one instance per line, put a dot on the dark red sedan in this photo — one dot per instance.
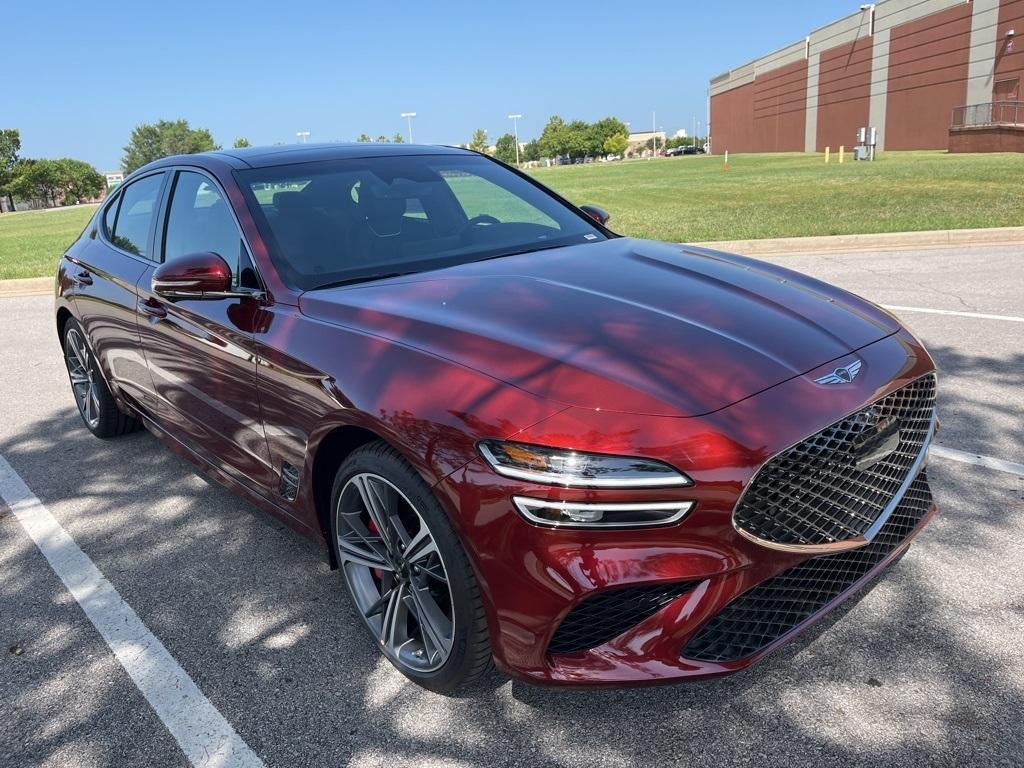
[524, 439]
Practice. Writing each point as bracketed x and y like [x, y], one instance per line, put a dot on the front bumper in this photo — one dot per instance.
[696, 583]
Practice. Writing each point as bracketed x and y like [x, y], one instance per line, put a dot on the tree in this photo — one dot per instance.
[616, 144]
[10, 146]
[79, 180]
[531, 152]
[151, 141]
[398, 139]
[578, 141]
[382, 139]
[553, 138]
[241, 143]
[66, 181]
[479, 141]
[364, 138]
[603, 130]
[505, 148]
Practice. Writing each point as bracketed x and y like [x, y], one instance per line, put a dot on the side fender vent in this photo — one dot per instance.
[289, 487]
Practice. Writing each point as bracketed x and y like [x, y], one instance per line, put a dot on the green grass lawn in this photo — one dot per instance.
[690, 199]
[31, 243]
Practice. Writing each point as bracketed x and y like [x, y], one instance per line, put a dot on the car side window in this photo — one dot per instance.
[199, 221]
[134, 216]
[109, 217]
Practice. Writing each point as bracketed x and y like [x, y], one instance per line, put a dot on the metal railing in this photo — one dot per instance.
[990, 113]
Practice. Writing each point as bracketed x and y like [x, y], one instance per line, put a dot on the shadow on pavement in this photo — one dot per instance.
[923, 669]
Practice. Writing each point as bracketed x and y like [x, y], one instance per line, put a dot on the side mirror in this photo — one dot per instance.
[195, 276]
[600, 215]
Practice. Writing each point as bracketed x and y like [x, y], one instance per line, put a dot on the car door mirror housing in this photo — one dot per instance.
[195, 276]
[600, 215]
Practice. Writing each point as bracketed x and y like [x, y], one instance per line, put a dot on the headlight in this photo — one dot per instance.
[569, 514]
[553, 466]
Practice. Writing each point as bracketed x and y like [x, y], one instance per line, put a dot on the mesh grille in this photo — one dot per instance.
[607, 615]
[813, 493]
[775, 606]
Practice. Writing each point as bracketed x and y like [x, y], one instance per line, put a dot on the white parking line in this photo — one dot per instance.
[978, 460]
[979, 315]
[206, 738]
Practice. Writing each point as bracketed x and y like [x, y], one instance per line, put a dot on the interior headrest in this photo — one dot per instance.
[289, 202]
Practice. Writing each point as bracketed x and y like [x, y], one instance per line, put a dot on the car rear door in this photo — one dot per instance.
[200, 352]
[104, 275]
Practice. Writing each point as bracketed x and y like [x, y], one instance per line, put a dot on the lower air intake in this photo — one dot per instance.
[606, 615]
[761, 616]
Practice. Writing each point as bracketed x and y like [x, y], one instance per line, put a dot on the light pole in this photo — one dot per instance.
[515, 133]
[409, 116]
[654, 131]
[302, 136]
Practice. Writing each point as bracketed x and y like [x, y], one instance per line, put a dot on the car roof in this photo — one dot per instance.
[281, 154]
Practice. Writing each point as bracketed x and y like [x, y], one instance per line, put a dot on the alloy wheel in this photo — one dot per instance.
[82, 370]
[395, 573]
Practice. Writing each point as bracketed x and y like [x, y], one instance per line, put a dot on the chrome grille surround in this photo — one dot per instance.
[811, 497]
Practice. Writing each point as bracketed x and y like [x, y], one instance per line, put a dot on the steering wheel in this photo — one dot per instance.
[480, 220]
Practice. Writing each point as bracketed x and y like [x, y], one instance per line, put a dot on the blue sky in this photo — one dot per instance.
[79, 76]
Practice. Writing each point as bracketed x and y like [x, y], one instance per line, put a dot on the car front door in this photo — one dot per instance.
[104, 274]
[200, 352]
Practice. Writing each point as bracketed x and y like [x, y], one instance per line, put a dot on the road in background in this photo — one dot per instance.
[925, 669]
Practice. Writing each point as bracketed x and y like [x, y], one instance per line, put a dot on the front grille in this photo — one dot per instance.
[606, 615]
[775, 606]
[814, 494]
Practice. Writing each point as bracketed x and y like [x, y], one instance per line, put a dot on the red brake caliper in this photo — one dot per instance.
[372, 527]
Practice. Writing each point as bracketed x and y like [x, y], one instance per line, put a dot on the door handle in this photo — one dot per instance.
[82, 278]
[152, 309]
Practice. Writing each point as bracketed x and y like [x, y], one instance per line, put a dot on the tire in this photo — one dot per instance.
[395, 578]
[96, 406]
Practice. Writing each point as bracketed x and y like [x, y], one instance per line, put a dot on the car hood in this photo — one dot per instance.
[623, 324]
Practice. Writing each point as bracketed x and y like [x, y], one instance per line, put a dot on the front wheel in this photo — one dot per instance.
[96, 405]
[406, 571]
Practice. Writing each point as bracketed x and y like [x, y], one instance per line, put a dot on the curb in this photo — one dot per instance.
[945, 238]
[27, 286]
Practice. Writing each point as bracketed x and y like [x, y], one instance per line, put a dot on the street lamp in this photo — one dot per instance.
[409, 116]
[515, 131]
[302, 136]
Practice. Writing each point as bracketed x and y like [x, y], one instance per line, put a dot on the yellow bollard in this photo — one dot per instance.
[828, 154]
[842, 153]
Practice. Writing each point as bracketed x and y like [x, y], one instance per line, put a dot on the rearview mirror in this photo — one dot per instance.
[195, 276]
[600, 215]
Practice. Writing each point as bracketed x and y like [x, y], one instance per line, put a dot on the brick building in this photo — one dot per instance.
[928, 74]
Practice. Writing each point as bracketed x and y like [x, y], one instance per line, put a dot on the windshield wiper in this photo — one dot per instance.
[359, 279]
[522, 251]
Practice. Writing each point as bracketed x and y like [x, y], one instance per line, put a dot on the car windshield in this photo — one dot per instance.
[342, 221]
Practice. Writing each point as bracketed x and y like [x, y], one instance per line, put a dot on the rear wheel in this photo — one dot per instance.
[406, 571]
[95, 404]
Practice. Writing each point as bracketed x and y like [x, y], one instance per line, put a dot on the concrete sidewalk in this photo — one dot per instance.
[888, 241]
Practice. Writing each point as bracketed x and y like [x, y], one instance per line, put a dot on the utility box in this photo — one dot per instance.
[867, 138]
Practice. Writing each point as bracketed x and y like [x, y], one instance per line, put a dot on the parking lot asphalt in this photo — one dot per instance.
[924, 668]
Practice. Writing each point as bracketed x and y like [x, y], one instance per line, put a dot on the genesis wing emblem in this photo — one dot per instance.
[843, 375]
